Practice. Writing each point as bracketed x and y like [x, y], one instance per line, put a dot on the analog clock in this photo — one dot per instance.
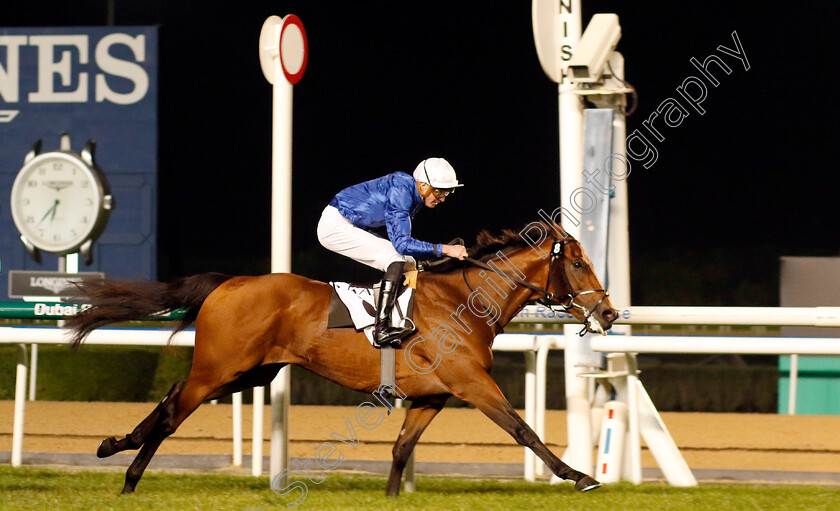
[60, 201]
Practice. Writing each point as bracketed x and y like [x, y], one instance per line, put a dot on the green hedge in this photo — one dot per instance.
[106, 373]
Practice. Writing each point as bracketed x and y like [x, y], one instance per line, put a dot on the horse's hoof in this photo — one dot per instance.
[106, 448]
[586, 484]
[127, 491]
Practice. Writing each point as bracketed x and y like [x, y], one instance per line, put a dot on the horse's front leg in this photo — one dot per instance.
[419, 416]
[475, 386]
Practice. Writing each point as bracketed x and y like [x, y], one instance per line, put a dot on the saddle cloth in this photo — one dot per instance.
[355, 306]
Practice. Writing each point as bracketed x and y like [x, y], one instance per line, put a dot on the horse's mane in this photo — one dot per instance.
[486, 243]
[489, 243]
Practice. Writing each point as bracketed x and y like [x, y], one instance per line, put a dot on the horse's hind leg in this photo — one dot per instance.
[136, 438]
[480, 390]
[174, 410]
[417, 418]
[183, 401]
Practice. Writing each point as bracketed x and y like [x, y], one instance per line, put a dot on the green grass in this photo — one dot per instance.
[48, 489]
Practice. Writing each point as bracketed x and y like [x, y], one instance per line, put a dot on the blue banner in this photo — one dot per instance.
[94, 83]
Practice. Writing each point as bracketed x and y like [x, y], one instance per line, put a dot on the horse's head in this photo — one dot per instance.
[571, 282]
[574, 285]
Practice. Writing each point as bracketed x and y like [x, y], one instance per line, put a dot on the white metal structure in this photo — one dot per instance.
[535, 347]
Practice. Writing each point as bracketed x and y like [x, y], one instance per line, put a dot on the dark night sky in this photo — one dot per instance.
[389, 84]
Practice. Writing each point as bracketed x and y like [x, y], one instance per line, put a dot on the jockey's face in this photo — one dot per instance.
[432, 196]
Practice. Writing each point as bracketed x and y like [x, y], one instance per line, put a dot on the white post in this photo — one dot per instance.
[283, 56]
[71, 263]
[33, 372]
[281, 389]
[633, 449]
[257, 438]
[409, 486]
[543, 347]
[281, 248]
[660, 443]
[530, 410]
[20, 403]
[237, 428]
[578, 422]
[611, 443]
[793, 379]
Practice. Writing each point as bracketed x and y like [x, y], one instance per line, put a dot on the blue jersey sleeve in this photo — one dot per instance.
[398, 224]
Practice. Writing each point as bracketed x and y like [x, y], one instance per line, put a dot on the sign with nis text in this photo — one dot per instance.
[94, 83]
[47, 283]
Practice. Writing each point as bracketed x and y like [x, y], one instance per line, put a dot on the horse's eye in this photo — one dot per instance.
[577, 264]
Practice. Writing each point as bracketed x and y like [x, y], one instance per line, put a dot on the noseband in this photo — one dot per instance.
[551, 300]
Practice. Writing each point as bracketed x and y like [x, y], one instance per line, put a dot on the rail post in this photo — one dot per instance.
[20, 403]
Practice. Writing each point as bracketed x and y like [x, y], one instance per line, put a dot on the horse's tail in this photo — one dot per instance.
[115, 301]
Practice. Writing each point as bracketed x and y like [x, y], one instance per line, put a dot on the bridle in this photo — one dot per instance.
[550, 299]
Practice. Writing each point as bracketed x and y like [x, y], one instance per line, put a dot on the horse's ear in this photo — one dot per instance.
[558, 229]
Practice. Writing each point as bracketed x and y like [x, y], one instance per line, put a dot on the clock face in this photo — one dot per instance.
[56, 202]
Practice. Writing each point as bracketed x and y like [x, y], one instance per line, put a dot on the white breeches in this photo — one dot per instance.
[338, 234]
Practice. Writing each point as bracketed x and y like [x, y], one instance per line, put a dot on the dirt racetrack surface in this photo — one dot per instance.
[706, 440]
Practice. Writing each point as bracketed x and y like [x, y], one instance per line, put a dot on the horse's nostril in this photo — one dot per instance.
[609, 314]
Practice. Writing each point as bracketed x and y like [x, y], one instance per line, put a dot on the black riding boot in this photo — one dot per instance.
[384, 332]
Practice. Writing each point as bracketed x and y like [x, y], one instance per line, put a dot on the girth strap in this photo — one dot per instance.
[387, 391]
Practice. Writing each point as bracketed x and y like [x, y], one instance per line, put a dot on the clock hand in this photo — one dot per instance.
[55, 208]
[49, 212]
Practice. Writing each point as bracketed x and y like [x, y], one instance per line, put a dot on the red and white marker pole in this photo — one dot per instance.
[284, 53]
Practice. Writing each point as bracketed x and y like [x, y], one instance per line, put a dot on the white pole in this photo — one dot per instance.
[633, 461]
[281, 248]
[543, 347]
[530, 409]
[611, 443]
[33, 373]
[237, 428]
[578, 421]
[256, 440]
[660, 443]
[20, 403]
[793, 380]
[409, 486]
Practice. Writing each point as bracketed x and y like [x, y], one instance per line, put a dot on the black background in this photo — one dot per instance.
[391, 83]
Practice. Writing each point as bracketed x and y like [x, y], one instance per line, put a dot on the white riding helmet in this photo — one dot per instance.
[437, 172]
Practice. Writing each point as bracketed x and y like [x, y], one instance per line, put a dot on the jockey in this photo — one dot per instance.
[390, 201]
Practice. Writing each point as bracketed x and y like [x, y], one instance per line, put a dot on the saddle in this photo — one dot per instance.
[354, 306]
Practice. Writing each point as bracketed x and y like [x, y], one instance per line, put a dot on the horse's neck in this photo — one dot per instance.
[527, 265]
[488, 300]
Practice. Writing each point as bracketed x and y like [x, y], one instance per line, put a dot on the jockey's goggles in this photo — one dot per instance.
[440, 193]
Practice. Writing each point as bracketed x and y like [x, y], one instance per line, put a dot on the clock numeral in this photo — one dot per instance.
[30, 219]
[57, 237]
[25, 202]
[57, 166]
[84, 219]
[88, 202]
[42, 170]
[85, 184]
[72, 233]
[32, 183]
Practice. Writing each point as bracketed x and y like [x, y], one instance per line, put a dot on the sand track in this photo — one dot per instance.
[715, 441]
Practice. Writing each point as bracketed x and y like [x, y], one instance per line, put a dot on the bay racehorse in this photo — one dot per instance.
[247, 328]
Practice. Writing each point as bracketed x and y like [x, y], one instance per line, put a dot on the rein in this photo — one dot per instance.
[567, 301]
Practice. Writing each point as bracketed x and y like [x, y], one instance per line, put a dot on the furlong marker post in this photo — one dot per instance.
[283, 52]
